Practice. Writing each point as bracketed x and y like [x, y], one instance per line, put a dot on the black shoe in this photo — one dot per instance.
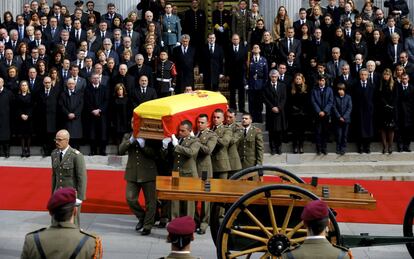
[279, 151]
[272, 152]
[7, 155]
[162, 224]
[301, 150]
[295, 150]
[406, 149]
[399, 149]
[342, 153]
[200, 231]
[139, 225]
[27, 152]
[360, 150]
[390, 150]
[383, 150]
[145, 232]
[368, 151]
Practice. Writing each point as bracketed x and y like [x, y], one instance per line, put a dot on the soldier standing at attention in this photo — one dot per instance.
[315, 216]
[68, 168]
[251, 146]
[171, 29]
[240, 23]
[140, 173]
[185, 150]
[165, 75]
[180, 235]
[220, 156]
[63, 239]
[237, 132]
[208, 141]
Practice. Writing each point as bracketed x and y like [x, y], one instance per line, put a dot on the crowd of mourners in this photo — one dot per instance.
[335, 69]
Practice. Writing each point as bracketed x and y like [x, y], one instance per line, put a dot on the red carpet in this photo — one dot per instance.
[29, 189]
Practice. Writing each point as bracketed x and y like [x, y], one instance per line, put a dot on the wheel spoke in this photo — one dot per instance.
[265, 256]
[248, 251]
[248, 235]
[295, 229]
[257, 222]
[272, 216]
[287, 216]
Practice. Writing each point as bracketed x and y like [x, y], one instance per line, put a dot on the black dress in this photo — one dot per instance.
[24, 105]
[387, 107]
[271, 52]
[121, 116]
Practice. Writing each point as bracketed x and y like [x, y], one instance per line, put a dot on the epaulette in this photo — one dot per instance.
[341, 247]
[257, 129]
[36, 231]
[76, 151]
[88, 234]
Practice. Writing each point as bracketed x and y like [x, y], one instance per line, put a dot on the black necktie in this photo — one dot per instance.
[60, 156]
[245, 132]
[336, 68]
[211, 48]
[364, 85]
[77, 34]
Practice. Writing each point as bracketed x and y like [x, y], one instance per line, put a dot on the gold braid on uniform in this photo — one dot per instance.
[98, 248]
[350, 254]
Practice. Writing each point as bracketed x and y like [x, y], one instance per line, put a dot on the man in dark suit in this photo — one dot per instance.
[297, 25]
[345, 78]
[284, 77]
[408, 66]
[142, 93]
[134, 35]
[122, 78]
[322, 100]
[80, 82]
[405, 107]
[290, 44]
[21, 27]
[103, 32]
[391, 28]
[70, 47]
[109, 52]
[87, 70]
[96, 110]
[363, 103]
[274, 96]
[14, 41]
[109, 16]
[93, 44]
[379, 21]
[320, 48]
[45, 114]
[52, 32]
[38, 40]
[334, 66]
[77, 34]
[154, 6]
[212, 65]
[9, 60]
[35, 82]
[90, 5]
[373, 76]
[334, 11]
[184, 60]
[358, 65]
[56, 12]
[140, 69]
[236, 72]
[126, 45]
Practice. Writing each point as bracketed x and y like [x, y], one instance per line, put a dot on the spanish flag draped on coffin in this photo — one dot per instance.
[160, 118]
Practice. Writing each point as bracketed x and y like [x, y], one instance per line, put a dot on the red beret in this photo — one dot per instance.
[181, 226]
[61, 197]
[315, 210]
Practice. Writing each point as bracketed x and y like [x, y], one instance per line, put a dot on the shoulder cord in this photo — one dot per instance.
[39, 245]
[79, 247]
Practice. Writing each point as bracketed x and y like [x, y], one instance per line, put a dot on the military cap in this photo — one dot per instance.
[61, 197]
[315, 210]
[181, 226]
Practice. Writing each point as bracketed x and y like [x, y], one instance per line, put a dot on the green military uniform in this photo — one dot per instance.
[70, 172]
[251, 147]
[208, 140]
[140, 173]
[185, 162]
[220, 156]
[234, 157]
[319, 248]
[61, 240]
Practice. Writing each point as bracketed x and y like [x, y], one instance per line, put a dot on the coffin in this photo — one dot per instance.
[160, 118]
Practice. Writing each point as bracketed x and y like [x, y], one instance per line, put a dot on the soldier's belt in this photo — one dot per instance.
[164, 80]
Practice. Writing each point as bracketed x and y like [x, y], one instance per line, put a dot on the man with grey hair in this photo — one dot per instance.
[274, 96]
[184, 60]
[149, 18]
[333, 67]
[373, 77]
[109, 52]
[71, 104]
[140, 69]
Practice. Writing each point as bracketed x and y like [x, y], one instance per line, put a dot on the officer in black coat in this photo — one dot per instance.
[213, 62]
[184, 60]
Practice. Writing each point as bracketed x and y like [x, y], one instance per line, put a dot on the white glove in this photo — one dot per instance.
[201, 74]
[221, 29]
[192, 134]
[171, 89]
[174, 140]
[178, 44]
[78, 202]
[165, 143]
[221, 76]
[246, 87]
[162, 43]
[245, 43]
[141, 142]
[131, 139]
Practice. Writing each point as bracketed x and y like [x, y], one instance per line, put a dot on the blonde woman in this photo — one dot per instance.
[281, 23]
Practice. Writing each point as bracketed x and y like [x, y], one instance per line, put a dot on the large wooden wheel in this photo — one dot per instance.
[257, 173]
[408, 226]
[266, 222]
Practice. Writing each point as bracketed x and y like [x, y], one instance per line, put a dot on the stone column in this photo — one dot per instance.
[125, 6]
[15, 7]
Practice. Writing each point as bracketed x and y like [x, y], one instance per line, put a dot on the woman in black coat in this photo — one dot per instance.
[269, 50]
[121, 113]
[298, 108]
[24, 111]
[376, 49]
[11, 81]
[358, 46]
[306, 41]
[257, 34]
[387, 110]
[339, 40]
